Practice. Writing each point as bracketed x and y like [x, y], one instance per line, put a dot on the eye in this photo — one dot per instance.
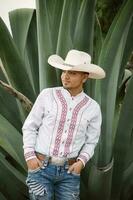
[63, 71]
[72, 72]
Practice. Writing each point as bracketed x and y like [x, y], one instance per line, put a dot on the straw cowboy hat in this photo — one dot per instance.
[77, 61]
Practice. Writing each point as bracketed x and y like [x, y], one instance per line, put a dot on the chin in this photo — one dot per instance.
[66, 86]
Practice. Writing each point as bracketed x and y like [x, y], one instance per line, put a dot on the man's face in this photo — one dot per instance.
[73, 79]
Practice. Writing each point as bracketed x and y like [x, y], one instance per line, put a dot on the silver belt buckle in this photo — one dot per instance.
[58, 161]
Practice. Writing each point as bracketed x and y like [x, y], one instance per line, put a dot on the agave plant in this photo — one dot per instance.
[55, 27]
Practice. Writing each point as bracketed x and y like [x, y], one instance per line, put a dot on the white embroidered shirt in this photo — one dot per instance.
[62, 125]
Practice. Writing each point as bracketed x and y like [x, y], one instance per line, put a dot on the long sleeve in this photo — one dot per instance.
[92, 136]
[31, 126]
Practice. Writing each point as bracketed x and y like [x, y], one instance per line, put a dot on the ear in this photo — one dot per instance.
[84, 80]
[85, 77]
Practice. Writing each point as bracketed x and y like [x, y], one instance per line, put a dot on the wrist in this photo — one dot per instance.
[81, 163]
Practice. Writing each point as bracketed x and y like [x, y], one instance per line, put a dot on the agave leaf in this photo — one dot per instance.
[31, 54]
[67, 27]
[25, 37]
[2, 196]
[110, 59]
[45, 47]
[108, 111]
[12, 182]
[9, 108]
[98, 39]
[129, 157]
[84, 30]
[99, 186]
[54, 10]
[113, 25]
[125, 123]
[70, 12]
[84, 34]
[52, 16]
[127, 183]
[122, 88]
[24, 100]
[84, 182]
[11, 141]
[13, 63]
[20, 30]
[127, 52]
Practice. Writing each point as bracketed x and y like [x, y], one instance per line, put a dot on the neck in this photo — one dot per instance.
[75, 92]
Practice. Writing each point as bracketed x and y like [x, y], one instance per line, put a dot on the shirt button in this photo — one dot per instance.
[60, 153]
[70, 109]
[65, 131]
[72, 98]
[62, 142]
[68, 120]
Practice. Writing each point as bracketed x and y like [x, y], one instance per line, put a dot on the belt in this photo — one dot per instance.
[55, 160]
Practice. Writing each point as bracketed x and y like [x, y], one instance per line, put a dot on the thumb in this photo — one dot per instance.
[71, 168]
[39, 162]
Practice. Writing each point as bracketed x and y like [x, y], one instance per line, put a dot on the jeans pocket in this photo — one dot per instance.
[34, 170]
[75, 174]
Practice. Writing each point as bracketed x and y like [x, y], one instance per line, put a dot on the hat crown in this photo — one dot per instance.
[77, 61]
[75, 57]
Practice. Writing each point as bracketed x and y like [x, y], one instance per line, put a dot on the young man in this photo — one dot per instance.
[62, 130]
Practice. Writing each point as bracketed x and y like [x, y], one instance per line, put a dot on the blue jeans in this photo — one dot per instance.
[53, 183]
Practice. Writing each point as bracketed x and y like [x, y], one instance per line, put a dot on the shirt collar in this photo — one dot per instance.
[78, 96]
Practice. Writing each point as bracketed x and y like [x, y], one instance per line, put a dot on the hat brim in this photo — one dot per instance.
[95, 72]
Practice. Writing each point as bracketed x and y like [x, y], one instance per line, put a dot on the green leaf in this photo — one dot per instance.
[84, 30]
[110, 59]
[99, 182]
[54, 10]
[123, 133]
[13, 63]
[11, 141]
[70, 12]
[98, 39]
[9, 108]
[47, 76]
[2, 196]
[127, 183]
[127, 52]
[12, 182]
[84, 34]
[25, 37]
[67, 27]
[20, 30]
[31, 54]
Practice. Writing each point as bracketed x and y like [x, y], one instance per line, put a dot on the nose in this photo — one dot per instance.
[66, 74]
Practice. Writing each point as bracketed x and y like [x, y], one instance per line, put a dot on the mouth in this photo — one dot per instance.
[64, 81]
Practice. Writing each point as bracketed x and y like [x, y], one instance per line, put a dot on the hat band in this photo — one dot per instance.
[69, 65]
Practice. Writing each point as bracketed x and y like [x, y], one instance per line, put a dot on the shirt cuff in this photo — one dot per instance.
[29, 154]
[84, 158]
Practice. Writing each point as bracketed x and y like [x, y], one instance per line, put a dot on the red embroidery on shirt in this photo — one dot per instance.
[29, 154]
[83, 157]
[61, 122]
[73, 124]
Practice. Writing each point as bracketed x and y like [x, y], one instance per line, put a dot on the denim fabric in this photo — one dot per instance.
[53, 183]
